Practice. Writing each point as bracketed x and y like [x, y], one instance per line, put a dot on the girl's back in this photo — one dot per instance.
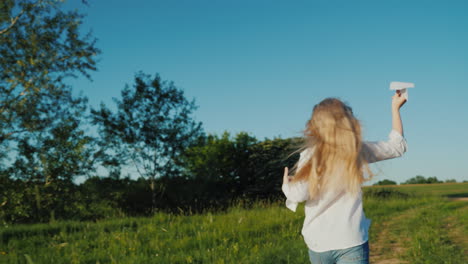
[328, 177]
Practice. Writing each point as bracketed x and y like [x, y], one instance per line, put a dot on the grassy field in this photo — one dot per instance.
[410, 224]
[450, 190]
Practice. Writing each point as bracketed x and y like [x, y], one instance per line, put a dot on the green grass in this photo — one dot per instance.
[440, 189]
[429, 236]
[416, 225]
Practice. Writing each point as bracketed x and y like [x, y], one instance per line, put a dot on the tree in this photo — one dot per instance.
[267, 161]
[211, 159]
[50, 159]
[386, 182]
[247, 167]
[416, 180]
[59, 152]
[433, 180]
[40, 121]
[422, 180]
[149, 130]
[221, 160]
[40, 46]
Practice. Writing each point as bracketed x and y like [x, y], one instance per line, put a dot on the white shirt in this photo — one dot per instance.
[336, 220]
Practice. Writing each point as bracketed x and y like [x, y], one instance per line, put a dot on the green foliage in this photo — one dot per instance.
[422, 180]
[219, 158]
[245, 166]
[13, 200]
[148, 131]
[129, 197]
[30, 202]
[386, 182]
[266, 163]
[47, 161]
[60, 151]
[219, 172]
[150, 127]
[40, 120]
[40, 46]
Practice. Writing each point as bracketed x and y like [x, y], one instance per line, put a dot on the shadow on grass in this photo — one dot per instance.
[457, 195]
[386, 193]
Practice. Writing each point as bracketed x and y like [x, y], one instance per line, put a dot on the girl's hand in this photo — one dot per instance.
[286, 177]
[398, 100]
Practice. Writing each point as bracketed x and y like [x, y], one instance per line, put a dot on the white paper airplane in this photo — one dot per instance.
[402, 86]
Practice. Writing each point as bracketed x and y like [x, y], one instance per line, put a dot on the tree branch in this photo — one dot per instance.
[13, 22]
[16, 18]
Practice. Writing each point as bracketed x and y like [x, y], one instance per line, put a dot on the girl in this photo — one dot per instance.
[328, 177]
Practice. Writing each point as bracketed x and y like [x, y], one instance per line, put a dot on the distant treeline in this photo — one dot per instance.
[416, 180]
[217, 172]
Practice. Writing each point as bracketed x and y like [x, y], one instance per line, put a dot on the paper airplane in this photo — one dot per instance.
[402, 86]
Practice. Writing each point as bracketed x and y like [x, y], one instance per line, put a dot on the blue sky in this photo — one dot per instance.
[261, 66]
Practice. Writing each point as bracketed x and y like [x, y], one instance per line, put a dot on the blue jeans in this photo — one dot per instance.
[353, 255]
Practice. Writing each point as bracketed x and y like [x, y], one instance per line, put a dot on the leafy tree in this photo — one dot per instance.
[386, 182]
[219, 158]
[267, 161]
[40, 46]
[211, 159]
[59, 152]
[248, 167]
[416, 180]
[40, 121]
[149, 130]
[451, 181]
[433, 180]
[50, 159]
[422, 180]
[220, 165]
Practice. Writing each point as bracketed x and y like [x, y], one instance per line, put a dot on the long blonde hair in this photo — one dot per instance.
[337, 161]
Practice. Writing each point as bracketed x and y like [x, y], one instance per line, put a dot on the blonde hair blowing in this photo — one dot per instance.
[337, 161]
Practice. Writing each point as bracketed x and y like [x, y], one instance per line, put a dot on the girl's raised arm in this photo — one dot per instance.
[395, 146]
[397, 102]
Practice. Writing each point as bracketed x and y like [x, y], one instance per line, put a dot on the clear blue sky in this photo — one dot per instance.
[260, 66]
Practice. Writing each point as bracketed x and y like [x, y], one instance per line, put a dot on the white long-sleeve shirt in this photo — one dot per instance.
[336, 220]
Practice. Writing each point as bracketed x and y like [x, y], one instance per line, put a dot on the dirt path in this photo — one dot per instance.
[460, 199]
[388, 247]
[455, 229]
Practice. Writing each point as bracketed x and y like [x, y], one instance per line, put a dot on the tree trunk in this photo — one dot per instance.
[153, 195]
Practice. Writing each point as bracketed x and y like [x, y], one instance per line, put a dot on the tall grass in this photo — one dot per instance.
[264, 233]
